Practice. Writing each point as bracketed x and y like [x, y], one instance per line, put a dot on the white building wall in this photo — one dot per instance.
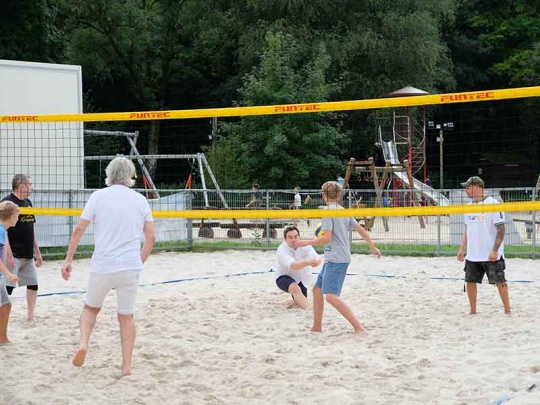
[52, 153]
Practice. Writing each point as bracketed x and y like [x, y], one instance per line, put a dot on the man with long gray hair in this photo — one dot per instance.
[121, 217]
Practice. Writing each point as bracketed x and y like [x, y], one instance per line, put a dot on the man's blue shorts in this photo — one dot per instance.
[331, 278]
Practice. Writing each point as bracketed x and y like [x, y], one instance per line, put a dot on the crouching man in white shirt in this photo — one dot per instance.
[293, 272]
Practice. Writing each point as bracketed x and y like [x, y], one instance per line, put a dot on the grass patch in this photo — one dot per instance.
[387, 249]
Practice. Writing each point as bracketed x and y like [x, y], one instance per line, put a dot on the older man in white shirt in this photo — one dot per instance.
[293, 271]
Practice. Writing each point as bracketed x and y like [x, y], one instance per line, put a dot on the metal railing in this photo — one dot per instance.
[402, 235]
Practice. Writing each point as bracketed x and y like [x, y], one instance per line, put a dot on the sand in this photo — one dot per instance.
[226, 335]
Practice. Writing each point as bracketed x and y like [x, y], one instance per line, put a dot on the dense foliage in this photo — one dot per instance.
[188, 54]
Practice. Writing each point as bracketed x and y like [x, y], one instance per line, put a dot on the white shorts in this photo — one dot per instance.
[124, 282]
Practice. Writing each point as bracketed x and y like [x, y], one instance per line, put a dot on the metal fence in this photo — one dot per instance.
[430, 235]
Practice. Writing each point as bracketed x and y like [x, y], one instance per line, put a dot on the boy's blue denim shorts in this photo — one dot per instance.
[331, 277]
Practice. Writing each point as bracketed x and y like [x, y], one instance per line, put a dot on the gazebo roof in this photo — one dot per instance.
[406, 92]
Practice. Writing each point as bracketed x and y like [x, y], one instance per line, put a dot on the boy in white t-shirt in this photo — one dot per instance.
[297, 201]
[483, 242]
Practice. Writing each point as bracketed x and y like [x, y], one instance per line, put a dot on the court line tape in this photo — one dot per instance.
[509, 397]
[440, 278]
[179, 280]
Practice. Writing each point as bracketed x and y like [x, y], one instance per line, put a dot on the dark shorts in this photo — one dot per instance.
[284, 282]
[474, 271]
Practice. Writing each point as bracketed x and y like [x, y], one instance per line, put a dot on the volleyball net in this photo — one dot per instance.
[403, 184]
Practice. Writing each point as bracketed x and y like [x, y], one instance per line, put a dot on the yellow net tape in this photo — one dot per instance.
[316, 213]
[449, 98]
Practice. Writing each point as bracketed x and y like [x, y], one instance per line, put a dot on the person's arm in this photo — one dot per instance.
[3, 269]
[462, 247]
[287, 260]
[365, 235]
[37, 252]
[149, 231]
[300, 264]
[494, 254]
[9, 260]
[251, 202]
[317, 260]
[72, 247]
[325, 239]
[7, 274]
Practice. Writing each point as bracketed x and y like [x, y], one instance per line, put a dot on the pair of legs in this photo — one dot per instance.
[503, 293]
[329, 283]
[297, 290]
[5, 310]
[127, 337]
[25, 270]
[31, 299]
[474, 273]
[125, 283]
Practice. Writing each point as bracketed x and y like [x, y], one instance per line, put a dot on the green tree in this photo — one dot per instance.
[375, 47]
[28, 31]
[283, 150]
[148, 55]
[496, 44]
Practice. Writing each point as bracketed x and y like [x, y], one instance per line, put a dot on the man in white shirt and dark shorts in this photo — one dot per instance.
[293, 271]
[483, 242]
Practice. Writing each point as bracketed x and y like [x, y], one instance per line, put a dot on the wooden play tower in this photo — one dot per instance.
[381, 176]
[402, 138]
[408, 129]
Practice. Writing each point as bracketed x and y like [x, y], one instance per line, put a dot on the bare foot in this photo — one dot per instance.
[80, 356]
[361, 331]
[289, 303]
[472, 313]
[5, 342]
[508, 312]
[126, 371]
[314, 329]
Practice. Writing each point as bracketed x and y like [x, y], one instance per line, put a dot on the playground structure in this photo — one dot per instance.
[205, 226]
[408, 131]
[381, 177]
[390, 154]
[148, 183]
[197, 160]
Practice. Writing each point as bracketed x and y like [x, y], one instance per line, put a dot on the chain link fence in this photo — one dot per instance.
[437, 235]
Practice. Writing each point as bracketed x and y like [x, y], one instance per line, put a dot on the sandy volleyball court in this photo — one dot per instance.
[224, 335]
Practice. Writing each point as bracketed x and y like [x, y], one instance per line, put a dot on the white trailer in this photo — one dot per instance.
[52, 153]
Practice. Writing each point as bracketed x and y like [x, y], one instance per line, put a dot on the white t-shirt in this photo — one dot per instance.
[118, 215]
[297, 200]
[287, 255]
[481, 232]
